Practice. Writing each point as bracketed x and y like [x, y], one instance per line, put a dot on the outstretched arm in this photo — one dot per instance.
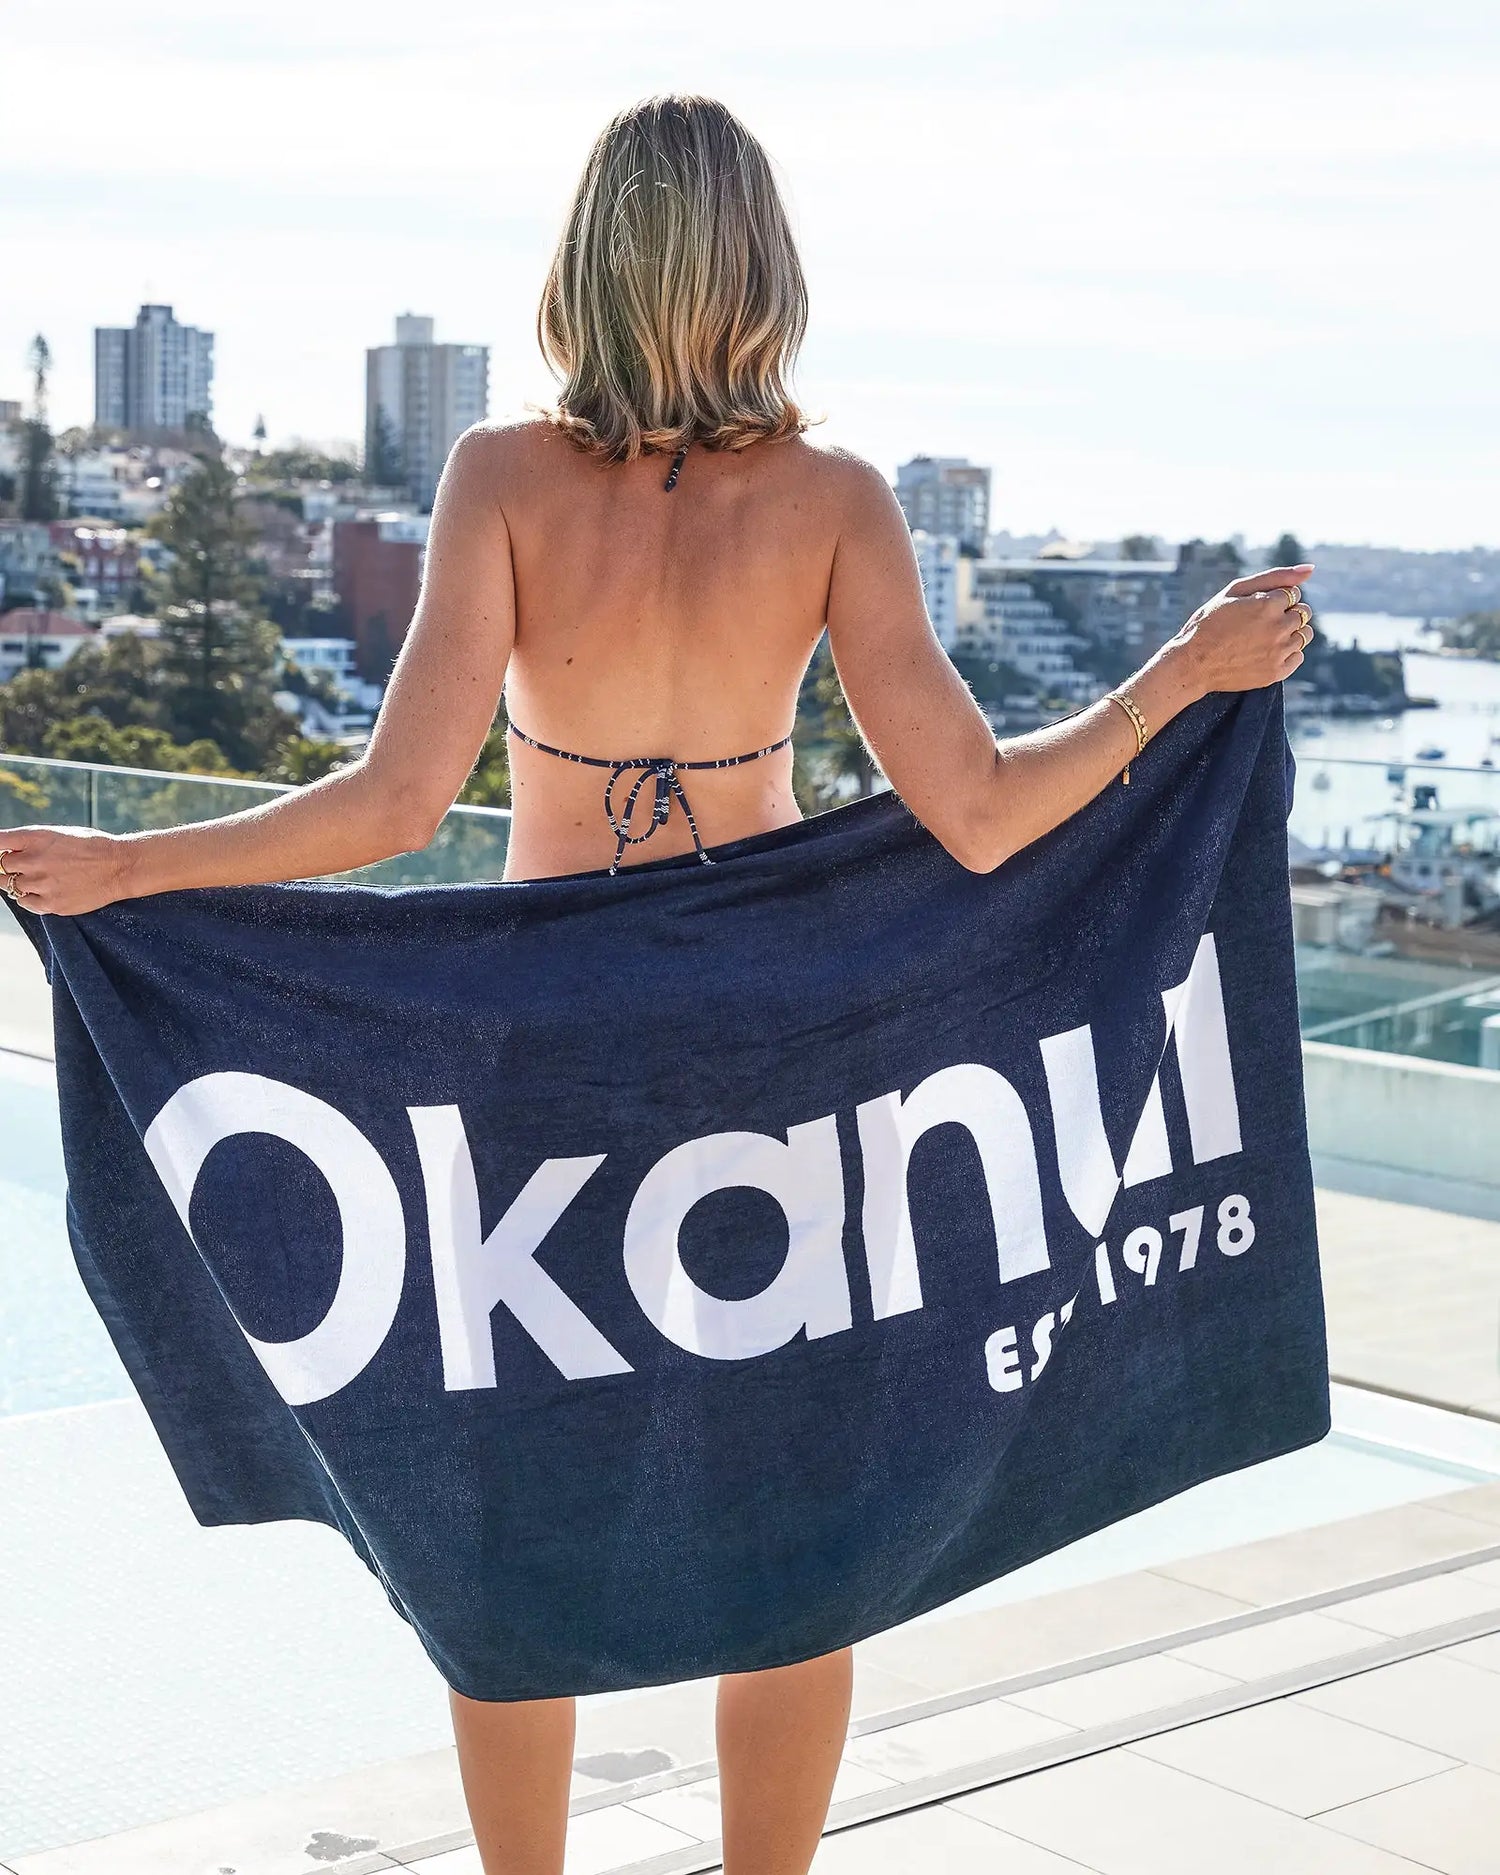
[986, 800]
[437, 712]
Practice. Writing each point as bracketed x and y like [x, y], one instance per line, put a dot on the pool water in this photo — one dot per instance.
[200, 1666]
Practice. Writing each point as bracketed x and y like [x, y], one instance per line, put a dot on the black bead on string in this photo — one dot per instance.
[676, 469]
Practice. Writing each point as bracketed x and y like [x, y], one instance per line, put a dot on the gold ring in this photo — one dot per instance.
[1305, 631]
[1306, 610]
[1293, 594]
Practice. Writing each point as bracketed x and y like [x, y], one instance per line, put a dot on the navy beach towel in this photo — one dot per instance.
[704, 1268]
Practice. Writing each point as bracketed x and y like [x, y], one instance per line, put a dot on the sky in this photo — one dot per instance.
[1186, 267]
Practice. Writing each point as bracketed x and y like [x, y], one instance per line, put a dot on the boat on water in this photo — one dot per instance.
[1432, 753]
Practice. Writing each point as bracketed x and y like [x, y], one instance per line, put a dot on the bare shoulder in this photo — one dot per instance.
[855, 492]
[510, 446]
[499, 464]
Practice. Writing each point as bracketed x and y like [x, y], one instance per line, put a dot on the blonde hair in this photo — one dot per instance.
[675, 303]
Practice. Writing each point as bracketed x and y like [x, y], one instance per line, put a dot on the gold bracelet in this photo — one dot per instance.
[1137, 723]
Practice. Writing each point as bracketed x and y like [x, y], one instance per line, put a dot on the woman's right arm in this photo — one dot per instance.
[986, 800]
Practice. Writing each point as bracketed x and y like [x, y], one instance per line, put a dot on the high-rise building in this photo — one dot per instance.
[946, 495]
[420, 397]
[154, 375]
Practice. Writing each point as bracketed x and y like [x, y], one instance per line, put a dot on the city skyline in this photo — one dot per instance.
[1171, 273]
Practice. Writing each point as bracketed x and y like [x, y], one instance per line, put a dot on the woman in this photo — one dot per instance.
[624, 605]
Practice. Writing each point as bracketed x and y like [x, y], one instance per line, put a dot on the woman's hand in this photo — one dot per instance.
[1251, 634]
[64, 871]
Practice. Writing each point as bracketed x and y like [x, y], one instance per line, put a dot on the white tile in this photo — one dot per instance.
[1024, 1637]
[1292, 1757]
[1442, 1704]
[1425, 1604]
[948, 1739]
[1484, 1652]
[922, 1842]
[1333, 1555]
[598, 1841]
[1120, 1814]
[1450, 1822]
[1118, 1692]
[1274, 1646]
[453, 1862]
[1483, 1572]
[694, 1808]
[606, 1839]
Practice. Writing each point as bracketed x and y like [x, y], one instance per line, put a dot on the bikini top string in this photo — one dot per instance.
[668, 788]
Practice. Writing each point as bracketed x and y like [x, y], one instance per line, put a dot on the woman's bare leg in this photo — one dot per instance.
[780, 1734]
[516, 1760]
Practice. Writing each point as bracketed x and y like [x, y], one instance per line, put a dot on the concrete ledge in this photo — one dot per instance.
[1398, 1127]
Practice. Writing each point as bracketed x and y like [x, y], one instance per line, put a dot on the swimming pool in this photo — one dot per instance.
[186, 1654]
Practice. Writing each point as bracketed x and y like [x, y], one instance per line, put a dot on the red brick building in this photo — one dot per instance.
[105, 558]
[377, 573]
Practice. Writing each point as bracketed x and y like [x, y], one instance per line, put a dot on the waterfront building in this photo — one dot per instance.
[89, 485]
[105, 560]
[947, 580]
[1203, 568]
[28, 561]
[1118, 604]
[337, 659]
[946, 495]
[10, 412]
[1010, 623]
[154, 375]
[420, 397]
[377, 574]
[38, 640]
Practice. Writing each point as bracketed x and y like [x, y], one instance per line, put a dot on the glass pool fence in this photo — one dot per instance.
[1395, 881]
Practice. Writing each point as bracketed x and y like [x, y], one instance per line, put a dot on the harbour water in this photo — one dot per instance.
[1342, 762]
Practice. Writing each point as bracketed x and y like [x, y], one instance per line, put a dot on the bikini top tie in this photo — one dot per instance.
[661, 768]
[668, 788]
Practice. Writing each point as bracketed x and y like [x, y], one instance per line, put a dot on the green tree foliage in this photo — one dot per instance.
[829, 759]
[383, 468]
[1140, 547]
[219, 657]
[1476, 632]
[29, 706]
[93, 738]
[489, 784]
[23, 801]
[302, 759]
[38, 486]
[279, 466]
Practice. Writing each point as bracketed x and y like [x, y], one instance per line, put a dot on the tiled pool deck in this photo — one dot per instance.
[1326, 1701]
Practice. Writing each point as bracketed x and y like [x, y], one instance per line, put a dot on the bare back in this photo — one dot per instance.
[656, 623]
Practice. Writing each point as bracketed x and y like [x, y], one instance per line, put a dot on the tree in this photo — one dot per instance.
[298, 463]
[219, 656]
[92, 738]
[383, 466]
[1475, 632]
[1140, 547]
[1287, 552]
[828, 751]
[302, 759]
[119, 679]
[38, 484]
[489, 784]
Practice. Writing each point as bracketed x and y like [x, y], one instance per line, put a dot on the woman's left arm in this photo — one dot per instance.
[441, 702]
